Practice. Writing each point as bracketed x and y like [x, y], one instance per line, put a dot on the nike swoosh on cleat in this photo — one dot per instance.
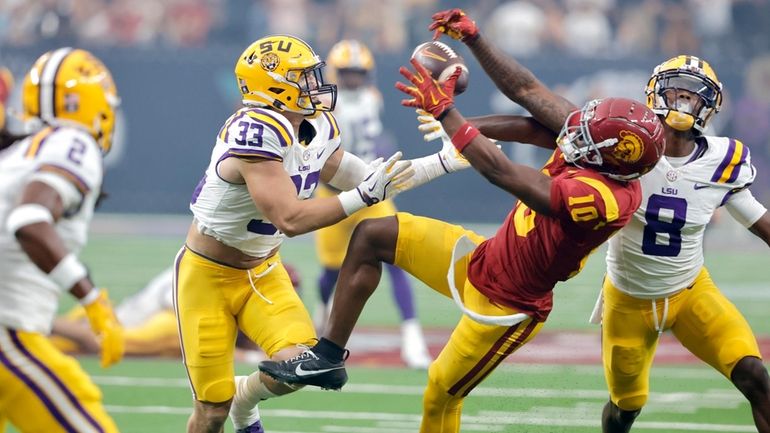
[299, 371]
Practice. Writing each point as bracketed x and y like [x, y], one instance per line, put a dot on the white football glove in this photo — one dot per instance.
[430, 127]
[385, 180]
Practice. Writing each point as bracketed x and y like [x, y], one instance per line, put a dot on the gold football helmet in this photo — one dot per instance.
[284, 72]
[691, 74]
[351, 64]
[71, 87]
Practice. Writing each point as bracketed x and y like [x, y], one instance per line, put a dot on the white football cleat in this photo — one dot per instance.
[414, 351]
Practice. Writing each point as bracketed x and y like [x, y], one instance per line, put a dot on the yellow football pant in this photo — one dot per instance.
[45, 391]
[700, 317]
[213, 301]
[332, 242]
[424, 249]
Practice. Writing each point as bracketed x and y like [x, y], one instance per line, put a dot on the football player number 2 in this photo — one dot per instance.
[664, 215]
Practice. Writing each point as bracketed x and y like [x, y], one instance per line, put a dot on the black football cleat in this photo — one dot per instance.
[307, 368]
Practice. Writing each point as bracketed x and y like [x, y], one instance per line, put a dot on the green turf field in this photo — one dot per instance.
[152, 396]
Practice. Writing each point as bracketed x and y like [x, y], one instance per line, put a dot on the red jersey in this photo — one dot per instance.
[530, 253]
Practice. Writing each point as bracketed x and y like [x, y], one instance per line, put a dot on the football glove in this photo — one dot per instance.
[108, 331]
[385, 180]
[430, 127]
[455, 24]
[428, 94]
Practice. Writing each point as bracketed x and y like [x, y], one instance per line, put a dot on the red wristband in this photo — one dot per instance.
[463, 136]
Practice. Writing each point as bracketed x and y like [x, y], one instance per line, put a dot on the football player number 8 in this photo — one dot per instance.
[664, 215]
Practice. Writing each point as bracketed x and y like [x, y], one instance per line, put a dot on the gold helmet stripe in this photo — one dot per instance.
[47, 95]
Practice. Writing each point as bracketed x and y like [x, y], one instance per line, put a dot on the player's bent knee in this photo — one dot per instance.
[626, 361]
[632, 403]
[217, 392]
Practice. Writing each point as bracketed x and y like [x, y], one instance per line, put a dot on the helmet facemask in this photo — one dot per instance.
[575, 140]
[314, 94]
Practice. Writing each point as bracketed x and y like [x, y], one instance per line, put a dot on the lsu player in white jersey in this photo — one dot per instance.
[267, 160]
[656, 279]
[49, 185]
[358, 111]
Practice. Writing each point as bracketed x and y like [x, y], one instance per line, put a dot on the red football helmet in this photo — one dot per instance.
[620, 138]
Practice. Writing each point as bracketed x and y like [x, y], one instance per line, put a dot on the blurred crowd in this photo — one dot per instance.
[725, 32]
[590, 28]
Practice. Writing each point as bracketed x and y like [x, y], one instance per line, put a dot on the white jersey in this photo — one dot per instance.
[660, 251]
[358, 114]
[70, 161]
[225, 210]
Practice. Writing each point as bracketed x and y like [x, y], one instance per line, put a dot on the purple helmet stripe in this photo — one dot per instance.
[38, 392]
[71, 397]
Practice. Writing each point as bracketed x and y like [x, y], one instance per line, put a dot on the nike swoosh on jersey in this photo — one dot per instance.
[299, 371]
[318, 155]
[701, 186]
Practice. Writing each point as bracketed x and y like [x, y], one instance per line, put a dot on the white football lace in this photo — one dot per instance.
[257, 276]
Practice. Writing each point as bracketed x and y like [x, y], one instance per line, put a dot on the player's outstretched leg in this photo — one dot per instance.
[617, 420]
[751, 378]
[373, 242]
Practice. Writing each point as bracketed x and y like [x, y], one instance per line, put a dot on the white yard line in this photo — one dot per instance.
[473, 423]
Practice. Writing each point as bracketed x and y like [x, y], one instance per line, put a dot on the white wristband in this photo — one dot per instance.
[89, 298]
[27, 214]
[351, 201]
[67, 272]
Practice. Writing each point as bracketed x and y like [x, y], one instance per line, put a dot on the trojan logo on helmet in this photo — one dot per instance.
[589, 138]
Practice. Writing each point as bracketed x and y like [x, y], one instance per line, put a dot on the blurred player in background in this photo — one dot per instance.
[656, 280]
[149, 323]
[50, 183]
[6, 86]
[267, 160]
[504, 285]
[358, 112]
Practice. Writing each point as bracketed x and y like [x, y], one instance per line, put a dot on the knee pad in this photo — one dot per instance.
[217, 391]
[626, 361]
[632, 403]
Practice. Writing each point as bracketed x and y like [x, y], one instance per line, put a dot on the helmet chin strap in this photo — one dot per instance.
[679, 121]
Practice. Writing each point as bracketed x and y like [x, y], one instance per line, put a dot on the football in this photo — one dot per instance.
[441, 61]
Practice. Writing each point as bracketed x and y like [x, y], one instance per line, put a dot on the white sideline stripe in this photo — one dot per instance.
[373, 388]
[470, 420]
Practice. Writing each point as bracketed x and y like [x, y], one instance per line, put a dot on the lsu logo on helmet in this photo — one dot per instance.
[690, 74]
[72, 87]
[285, 73]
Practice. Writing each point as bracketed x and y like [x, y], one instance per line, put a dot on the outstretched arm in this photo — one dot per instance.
[514, 80]
[761, 228]
[522, 129]
[526, 183]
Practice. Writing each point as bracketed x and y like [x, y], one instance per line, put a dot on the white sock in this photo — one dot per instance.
[249, 391]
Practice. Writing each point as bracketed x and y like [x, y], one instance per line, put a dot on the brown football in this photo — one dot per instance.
[441, 61]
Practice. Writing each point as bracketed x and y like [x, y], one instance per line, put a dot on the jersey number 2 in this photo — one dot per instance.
[672, 226]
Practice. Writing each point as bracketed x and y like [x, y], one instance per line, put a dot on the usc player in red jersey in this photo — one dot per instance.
[585, 193]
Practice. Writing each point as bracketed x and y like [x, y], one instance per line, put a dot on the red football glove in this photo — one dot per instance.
[428, 94]
[455, 24]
